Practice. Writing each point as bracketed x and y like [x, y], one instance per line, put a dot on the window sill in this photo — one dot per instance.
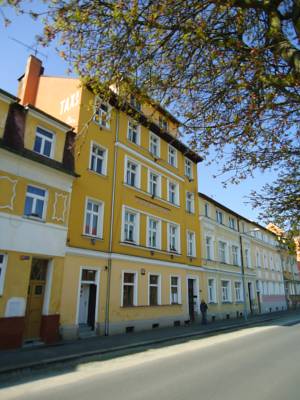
[37, 219]
[226, 302]
[151, 249]
[92, 237]
[102, 127]
[213, 303]
[97, 173]
[239, 302]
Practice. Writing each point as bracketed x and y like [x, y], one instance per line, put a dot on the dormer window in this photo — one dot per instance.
[44, 142]
[163, 124]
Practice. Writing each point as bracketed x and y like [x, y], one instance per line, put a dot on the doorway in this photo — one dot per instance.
[35, 299]
[250, 296]
[192, 298]
[88, 299]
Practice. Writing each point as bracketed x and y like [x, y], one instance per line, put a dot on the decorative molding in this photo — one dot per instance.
[65, 203]
[13, 196]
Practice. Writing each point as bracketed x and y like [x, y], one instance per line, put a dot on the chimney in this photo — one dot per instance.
[29, 82]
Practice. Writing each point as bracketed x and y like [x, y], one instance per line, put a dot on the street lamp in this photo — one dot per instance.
[243, 270]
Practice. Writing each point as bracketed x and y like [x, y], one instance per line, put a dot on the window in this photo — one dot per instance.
[3, 262]
[173, 238]
[175, 290]
[102, 113]
[163, 123]
[172, 156]
[173, 195]
[130, 227]
[35, 202]
[98, 159]
[154, 186]
[154, 145]
[191, 244]
[222, 251]
[247, 258]
[129, 297]
[154, 290]
[209, 250]
[206, 210]
[226, 295]
[132, 174]
[265, 261]
[238, 291]
[231, 223]
[44, 142]
[212, 293]
[190, 203]
[219, 217]
[93, 218]
[235, 257]
[258, 264]
[188, 168]
[153, 233]
[135, 103]
[133, 132]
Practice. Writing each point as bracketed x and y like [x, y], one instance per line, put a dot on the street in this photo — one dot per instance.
[256, 363]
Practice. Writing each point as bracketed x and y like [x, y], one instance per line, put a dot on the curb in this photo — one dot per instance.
[54, 360]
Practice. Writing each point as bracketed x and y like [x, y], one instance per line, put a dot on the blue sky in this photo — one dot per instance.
[12, 66]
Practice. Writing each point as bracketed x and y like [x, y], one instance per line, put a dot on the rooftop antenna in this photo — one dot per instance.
[35, 50]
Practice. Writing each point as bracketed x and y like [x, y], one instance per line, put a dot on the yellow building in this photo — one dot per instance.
[132, 257]
[36, 177]
[239, 256]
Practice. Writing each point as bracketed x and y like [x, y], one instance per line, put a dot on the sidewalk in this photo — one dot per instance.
[32, 357]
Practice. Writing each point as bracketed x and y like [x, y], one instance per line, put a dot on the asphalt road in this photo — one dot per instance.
[257, 363]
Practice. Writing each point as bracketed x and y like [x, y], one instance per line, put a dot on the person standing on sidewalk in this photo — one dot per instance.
[203, 309]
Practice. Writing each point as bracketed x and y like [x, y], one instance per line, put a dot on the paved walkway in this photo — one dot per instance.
[12, 360]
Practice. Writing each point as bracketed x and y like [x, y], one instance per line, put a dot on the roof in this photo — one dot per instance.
[12, 97]
[239, 216]
[142, 119]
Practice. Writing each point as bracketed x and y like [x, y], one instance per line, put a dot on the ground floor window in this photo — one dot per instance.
[212, 298]
[238, 291]
[175, 294]
[154, 290]
[129, 289]
[226, 295]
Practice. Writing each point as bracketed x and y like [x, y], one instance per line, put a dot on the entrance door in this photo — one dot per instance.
[191, 299]
[35, 299]
[250, 296]
[84, 303]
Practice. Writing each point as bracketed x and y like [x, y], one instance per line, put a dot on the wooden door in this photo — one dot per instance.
[35, 299]
[191, 299]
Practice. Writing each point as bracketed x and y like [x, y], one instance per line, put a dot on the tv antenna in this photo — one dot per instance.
[35, 50]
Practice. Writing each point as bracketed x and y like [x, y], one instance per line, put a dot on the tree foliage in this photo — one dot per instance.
[230, 69]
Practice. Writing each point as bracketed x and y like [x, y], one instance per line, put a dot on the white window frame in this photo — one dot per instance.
[152, 137]
[210, 246]
[3, 267]
[171, 149]
[192, 202]
[241, 299]
[229, 299]
[225, 251]
[44, 139]
[188, 169]
[206, 210]
[235, 254]
[135, 287]
[158, 194]
[177, 196]
[138, 131]
[158, 233]
[136, 235]
[212, 299]
[100, 214]
[158, 285]
[248, 257]
[178, 286]
[104, 168]
[219, 217]
[169, 225]
[36, 197]
[189, 235]
[106, 114]
[232, 223]
[138, 172]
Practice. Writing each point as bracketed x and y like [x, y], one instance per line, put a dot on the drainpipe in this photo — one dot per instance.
[109, 263]
[243, 273]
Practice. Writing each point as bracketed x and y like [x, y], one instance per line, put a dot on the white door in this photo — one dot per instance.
[84, 303]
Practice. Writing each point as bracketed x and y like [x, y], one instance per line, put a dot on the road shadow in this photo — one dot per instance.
[59, 368]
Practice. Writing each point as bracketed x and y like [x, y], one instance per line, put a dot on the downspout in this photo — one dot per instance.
[109, 264]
